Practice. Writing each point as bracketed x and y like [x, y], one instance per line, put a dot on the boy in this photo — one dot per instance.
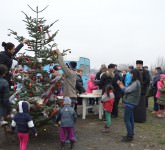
[66, 119]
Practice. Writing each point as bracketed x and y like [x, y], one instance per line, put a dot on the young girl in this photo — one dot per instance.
[108, 100]
[66, 119]
[23, 122]
[90, 87]
[160, 95]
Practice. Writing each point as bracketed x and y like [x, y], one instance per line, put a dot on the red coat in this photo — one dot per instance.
[108, 105]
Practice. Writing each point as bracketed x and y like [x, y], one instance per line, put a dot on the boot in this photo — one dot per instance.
[106, 129]
[71, 144]
[127, 139]
[62, 145]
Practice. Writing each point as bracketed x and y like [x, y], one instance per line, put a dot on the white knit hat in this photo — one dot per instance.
[67, 101]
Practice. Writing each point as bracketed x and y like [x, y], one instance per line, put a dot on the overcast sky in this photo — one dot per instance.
[106, 31]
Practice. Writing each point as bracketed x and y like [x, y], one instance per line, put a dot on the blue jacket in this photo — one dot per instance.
[67, 116]
[22, 120]
[128, 79]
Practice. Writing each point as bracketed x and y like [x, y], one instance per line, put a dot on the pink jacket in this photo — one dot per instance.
[159, 86]
[91, 86]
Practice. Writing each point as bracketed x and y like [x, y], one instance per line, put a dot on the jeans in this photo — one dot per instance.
[23, 139]
[156, 105]
[129, 120]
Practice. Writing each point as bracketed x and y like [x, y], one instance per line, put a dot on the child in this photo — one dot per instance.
[108, 100]
[160, 95]
[23, 122]
[67, 118]
[4, 95]
[90, 87]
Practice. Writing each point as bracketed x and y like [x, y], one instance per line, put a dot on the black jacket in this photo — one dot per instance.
[145, 80]
[79, 84]
[4, 93]
[7, 59]
[105, 80]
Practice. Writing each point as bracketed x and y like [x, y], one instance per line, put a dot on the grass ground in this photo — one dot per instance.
[148, 136]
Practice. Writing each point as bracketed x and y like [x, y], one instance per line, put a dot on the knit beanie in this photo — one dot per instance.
[67, 101]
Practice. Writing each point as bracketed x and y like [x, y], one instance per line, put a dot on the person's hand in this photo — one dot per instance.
[25, 41]
[58, 51]
[119, 82]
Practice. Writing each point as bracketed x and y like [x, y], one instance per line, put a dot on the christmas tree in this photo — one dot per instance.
[34, 83]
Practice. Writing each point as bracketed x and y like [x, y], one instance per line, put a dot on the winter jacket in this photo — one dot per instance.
[22, 120]
[132, 93]
[128, 79]
[105, 80]
[4, 93]
[108, 102]
[69, 79]
[7, 59]
[159, 87]
[91, 86]
[67, 116]
[161, 98]
[79, 85]
[145, 80]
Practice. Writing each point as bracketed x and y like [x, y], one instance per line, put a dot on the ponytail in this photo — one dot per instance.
[8, 46]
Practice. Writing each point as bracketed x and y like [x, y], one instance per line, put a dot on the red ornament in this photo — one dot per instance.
[21, 70]
[15, 87]
[16, 71]
[51, 70]
[39, 29]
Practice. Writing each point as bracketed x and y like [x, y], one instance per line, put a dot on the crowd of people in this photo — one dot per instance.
[130, 85]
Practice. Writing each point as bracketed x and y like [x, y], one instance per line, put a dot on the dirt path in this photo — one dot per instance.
[148, 136]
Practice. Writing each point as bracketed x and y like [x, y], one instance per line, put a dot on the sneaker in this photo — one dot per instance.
[3, 123]
[62, 145]
[127, 139]
[159, 115]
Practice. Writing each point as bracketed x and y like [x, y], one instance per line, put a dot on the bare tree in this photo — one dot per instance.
[160, 62]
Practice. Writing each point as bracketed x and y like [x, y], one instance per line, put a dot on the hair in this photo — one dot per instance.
[131, 67]
[108, 89]
[3, 69]
[79, 70]
[8, 46]
[103, 68]
[135, 75]
[158, 69]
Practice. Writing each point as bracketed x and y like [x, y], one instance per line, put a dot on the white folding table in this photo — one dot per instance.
[85, 98]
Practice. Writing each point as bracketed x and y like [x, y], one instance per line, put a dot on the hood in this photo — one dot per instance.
[92, 76]
[23, 106]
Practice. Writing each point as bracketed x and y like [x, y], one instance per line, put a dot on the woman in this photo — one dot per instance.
[131, 100]
[6, 56]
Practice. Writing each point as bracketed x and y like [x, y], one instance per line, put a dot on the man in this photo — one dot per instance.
[70, 76]
[79, 86]
[140, 110]
[117, 89]
[150, 75]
